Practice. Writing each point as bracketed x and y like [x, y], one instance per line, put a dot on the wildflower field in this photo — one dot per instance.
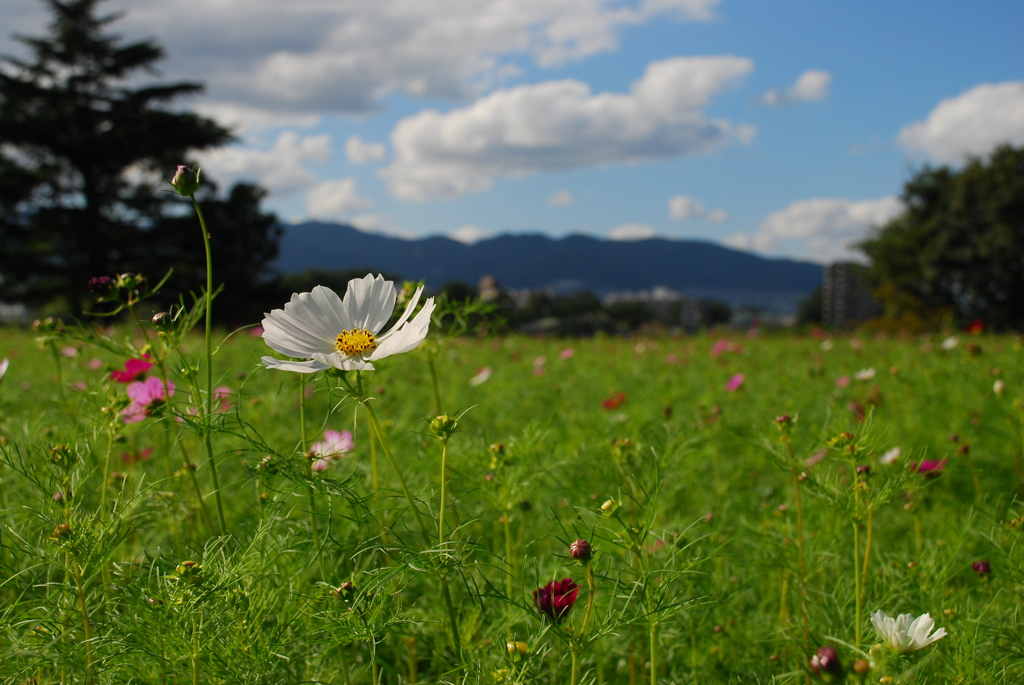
[719, 508]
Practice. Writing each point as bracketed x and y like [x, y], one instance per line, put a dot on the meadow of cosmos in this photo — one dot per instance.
[364, 488]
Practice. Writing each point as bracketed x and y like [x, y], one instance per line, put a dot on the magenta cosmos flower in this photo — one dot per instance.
[735, 383]
[930, 467]
[146, 396]
[556, 598]
[134, 370]
[331, 447]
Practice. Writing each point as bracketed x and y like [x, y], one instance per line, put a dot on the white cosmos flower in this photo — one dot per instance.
[329, 332]
[906, 633]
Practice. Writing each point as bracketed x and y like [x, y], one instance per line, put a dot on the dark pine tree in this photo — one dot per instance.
[83, 155]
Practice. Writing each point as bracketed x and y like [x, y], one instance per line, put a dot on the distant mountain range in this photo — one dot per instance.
[577, 262]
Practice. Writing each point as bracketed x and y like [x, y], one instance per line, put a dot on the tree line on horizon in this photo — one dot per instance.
[84, 155]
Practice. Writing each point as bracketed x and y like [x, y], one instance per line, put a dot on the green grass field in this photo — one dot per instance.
[720, 554]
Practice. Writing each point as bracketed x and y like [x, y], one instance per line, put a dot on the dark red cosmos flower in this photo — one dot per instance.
[975, 327]
[982, 568]
[134, 369]
[615, 401]
[556, 598]
[825, 663]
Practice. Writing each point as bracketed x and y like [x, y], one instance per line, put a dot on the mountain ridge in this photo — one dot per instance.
[576, 262]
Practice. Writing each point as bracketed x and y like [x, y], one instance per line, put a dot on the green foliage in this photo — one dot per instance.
[700, 551]
[957, 245]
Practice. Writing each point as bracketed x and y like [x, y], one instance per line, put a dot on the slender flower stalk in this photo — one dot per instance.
[209, 366]
[304, 442]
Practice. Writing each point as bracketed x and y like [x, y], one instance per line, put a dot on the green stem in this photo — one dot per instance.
[856, 582]
[86, 627]
[305, 450]
[510, 575]
[867, 556]
[60, 371]
[575, 666]
[195, 654]
[591, 584]
[208, 411]
[453, 624]
[803, 570]
[654, 649]
[444, 483]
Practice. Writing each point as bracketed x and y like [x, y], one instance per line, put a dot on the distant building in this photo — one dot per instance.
[845, 297]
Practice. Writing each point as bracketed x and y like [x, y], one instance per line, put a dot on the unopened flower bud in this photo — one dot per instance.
[185, 181]
[190, 571]
[62, 496]
[783, 421]
[517, 650]
[982, 568]
[861, 667]
[864, 470]
[162, 321]
[609, 507]
[497, 448]
[825, 663]
[581, 551]
[443, 426]
[101, 286]
[62, 530]
[345, 590]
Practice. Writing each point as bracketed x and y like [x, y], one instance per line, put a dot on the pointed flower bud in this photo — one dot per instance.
[825, 664]
[609, 507]
[162, 321]
[443, 426]
[517, 650]
[982, 568]
[185, 181]
[581, 551]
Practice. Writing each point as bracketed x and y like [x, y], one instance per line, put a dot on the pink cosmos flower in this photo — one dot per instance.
[69, 351]
[95, 363]
[256, 331]
[134, 370]
[331, 447]
[843, 382]
[222, 394]
[930, 467]
[481, 376]
[4, 363]
[134, 457]
[735, 383]
[146, 396]
[556, 598]
[671, 358]
[722, 345]
[567, 353]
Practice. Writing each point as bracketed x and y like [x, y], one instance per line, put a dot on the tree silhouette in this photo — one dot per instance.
[83, 155]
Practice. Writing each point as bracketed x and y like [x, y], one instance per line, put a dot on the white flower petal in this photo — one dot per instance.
[288, 365]
[410, 307]
[369, 302]
[308, 323]
[339, 361]
[408, 336]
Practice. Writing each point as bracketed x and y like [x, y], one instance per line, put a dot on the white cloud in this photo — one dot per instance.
[683, 207]
[335, 198]
[561, 198]
[972, 123]
[375, 223]
[329, 56]
[811, 86]
[627, 232]
[819, 229]
[361, 152]
[469, 234]
[281, 169]
[558, 125]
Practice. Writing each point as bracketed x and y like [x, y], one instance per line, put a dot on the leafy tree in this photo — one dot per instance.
[959, 244]
[83, 155]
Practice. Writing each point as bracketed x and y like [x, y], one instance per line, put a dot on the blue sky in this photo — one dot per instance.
[785, 128]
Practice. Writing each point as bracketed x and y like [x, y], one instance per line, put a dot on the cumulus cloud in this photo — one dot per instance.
[820, 229]
[632, 232]
[333, 56]
[281, 169]
[334, 198]
[561, 198]
[811, 86]
[557, 125]
[469, 234]
[972, 123]
[683, 207]
[375, 223]
[360, 152]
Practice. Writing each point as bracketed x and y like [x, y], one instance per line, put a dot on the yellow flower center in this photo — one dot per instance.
[358, 341]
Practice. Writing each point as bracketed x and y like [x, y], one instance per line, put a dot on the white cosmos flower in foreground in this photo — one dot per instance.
[329, 332]
[906, 633]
